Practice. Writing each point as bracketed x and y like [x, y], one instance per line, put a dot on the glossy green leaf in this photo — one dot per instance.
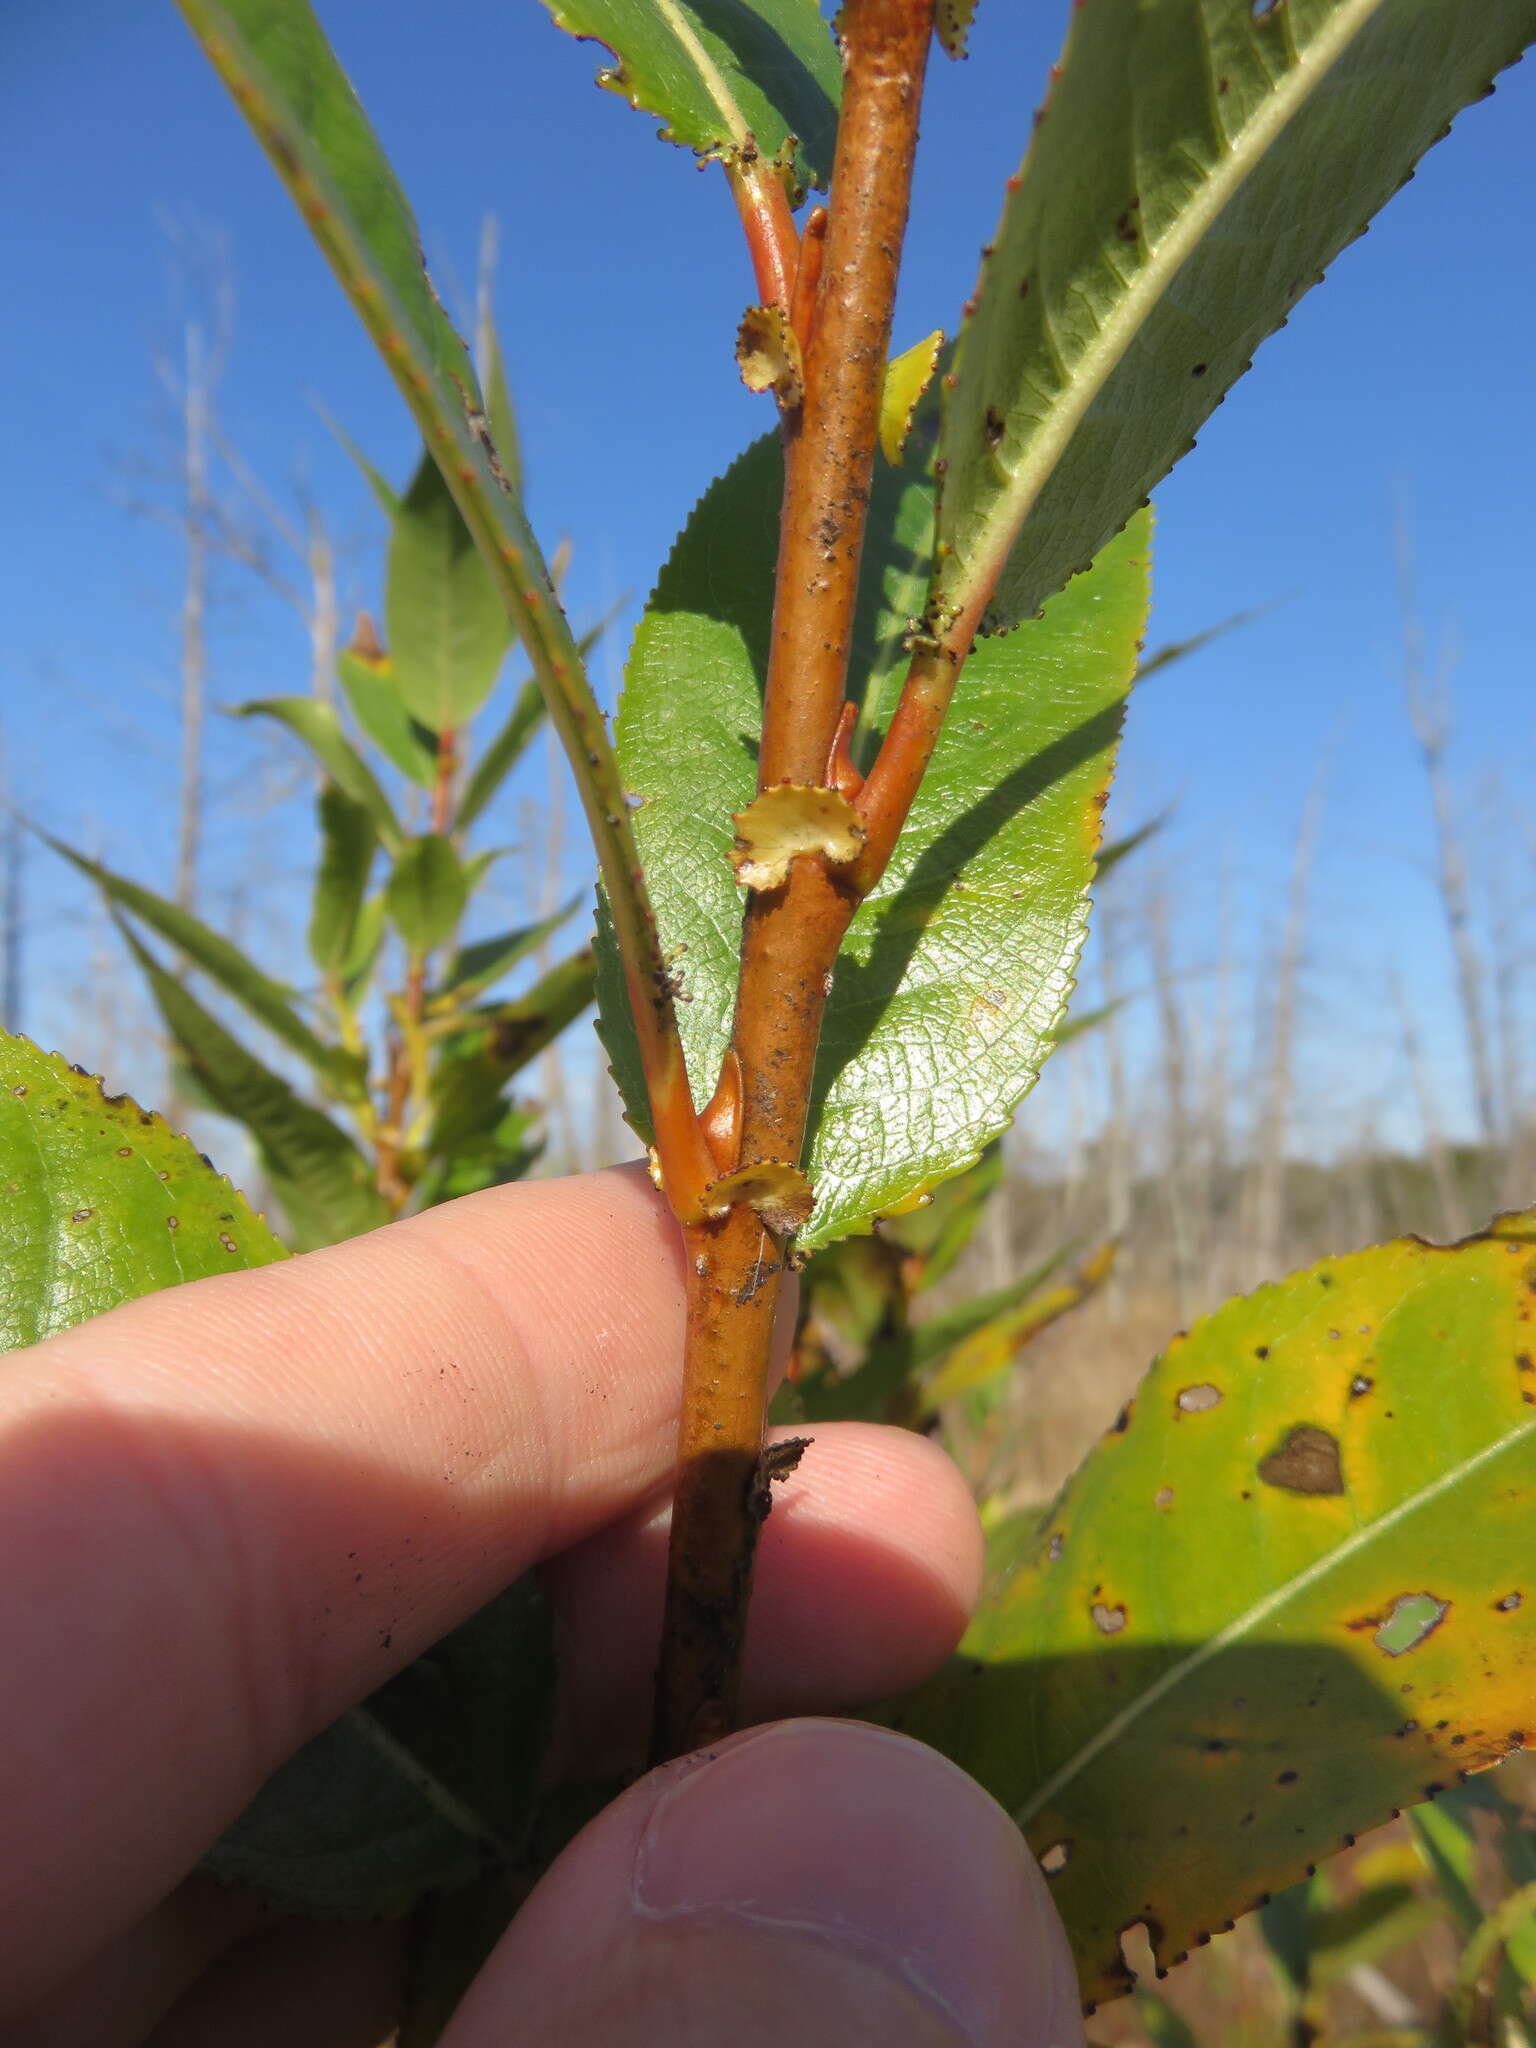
[719, 73]
[502, 755]
[479, 965]
[447, 627]
[268, 1001]
[379, 709]
[427, 892]
[100, 1201]
[1197, 167]
[956, 970]
[348, 842]
[418, 1789]
[317, 725]
[1193, 1684]
[324, 1183]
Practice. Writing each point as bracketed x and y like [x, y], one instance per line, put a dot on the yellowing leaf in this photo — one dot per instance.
[768, 354]
[907, 377]
[1213, 1663]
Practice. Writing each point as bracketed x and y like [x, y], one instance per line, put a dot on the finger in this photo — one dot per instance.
[303, 1984]
[868, 1569]
[129, 1985]
[819, 1882]
[230, 1511]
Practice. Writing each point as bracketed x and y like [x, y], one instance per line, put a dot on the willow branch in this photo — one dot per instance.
[432, 369]
[791, 932]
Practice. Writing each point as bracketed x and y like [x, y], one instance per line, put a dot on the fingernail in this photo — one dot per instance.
[852, 1836]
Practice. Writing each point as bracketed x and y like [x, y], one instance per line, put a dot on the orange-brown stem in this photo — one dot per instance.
[791, 934]
[773, 242]
[899, 767]
[813, 250]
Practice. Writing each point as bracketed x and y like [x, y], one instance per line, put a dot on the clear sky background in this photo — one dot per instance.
[1405, 380]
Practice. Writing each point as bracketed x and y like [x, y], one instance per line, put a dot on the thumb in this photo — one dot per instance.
[815, 1882]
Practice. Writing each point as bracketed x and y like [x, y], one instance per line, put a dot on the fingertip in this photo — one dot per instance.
[815, 1881]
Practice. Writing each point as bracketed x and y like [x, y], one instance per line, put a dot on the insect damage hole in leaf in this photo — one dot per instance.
[1414, 1618]
[1195, 1400]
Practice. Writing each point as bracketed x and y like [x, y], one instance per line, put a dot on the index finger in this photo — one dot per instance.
[229, 1511]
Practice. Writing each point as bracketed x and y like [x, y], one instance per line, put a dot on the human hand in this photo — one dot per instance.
[229, 1512]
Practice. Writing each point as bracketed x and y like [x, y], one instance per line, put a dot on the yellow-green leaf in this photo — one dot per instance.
[1287, 1595]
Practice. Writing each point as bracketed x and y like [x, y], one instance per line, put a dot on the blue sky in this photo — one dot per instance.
[1405, 379]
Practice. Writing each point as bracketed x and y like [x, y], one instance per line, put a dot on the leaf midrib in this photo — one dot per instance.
[713, 82]
[1104, 355]
[1253, 1617]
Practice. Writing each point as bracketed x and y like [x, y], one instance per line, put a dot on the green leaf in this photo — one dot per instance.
[955, 971]
[906, 1356]
[720, 72]
[100, 1201]
[479, 965]
[280, 70]
[317, 725]
[427, 892]
[447, 627]
[323, 1182]
[270, 1002]
[981, 1359]
[1446, 1835]
[1192, 1686]
[421, 1787]
[1163, 2027]
[502, 755]
[348, 841]
[380, 710]
[478, 1136]
[501, 412]
[1196, 169]
[386, 497]
[367, 937]
[518, 1031]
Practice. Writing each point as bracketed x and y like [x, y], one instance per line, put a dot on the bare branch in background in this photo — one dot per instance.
[1425, 685]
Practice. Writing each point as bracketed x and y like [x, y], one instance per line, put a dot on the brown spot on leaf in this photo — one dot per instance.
[1307, 1462]
[1108, 1620]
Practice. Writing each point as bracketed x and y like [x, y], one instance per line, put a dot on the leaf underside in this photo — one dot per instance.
[101, 1201]
[1197, 167]
[717, 71]
[956, 970]
[1283, 1598]
[420, 1788]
